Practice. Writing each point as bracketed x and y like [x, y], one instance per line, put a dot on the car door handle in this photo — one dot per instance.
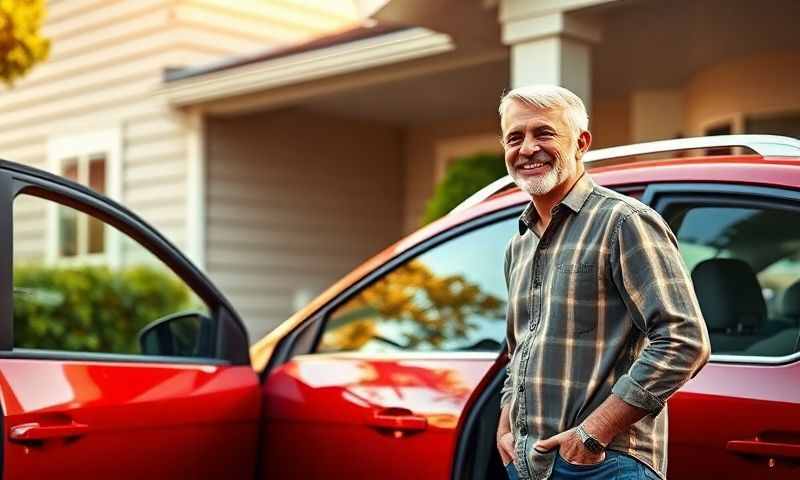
[397, 419]
[35, 432]
[764, 449]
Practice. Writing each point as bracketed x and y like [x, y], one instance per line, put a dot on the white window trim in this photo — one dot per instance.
[61, 147]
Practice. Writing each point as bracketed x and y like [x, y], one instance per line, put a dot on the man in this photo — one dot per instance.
[603, 322]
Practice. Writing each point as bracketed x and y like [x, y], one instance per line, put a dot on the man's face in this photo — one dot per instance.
[541, 149]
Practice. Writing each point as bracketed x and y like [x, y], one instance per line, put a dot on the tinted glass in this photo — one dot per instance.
[745, 264]
[98, 303]
[451, 298]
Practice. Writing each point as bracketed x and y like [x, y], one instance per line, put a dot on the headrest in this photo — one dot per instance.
[729, 295]
[791, 301]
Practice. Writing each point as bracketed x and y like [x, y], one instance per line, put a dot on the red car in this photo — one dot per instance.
[395, 371]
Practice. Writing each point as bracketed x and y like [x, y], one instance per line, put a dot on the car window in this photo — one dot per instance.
[80, 285]
[450, 298]
[745, 266]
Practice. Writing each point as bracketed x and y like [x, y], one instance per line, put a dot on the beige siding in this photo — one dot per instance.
[106, 63]
[296, 200]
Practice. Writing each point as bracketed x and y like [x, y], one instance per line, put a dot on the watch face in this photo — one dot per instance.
[593, 445]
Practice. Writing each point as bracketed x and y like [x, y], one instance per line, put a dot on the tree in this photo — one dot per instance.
[21, 46]
[465, 176]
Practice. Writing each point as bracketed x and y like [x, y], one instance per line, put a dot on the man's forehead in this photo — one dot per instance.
[519, 115]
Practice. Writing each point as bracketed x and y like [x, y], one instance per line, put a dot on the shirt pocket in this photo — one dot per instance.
[578, 289]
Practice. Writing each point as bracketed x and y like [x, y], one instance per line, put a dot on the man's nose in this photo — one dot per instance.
[529, 147]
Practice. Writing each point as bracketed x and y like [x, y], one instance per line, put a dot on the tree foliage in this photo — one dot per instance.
[427, 308]
[91, 309]
[465, 176]
[21, 45]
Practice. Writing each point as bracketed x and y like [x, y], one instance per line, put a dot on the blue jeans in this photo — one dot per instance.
[616, 466]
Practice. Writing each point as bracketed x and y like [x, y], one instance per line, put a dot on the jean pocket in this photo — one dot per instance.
[573, 466]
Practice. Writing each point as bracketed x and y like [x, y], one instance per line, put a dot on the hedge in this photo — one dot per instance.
[91, 308]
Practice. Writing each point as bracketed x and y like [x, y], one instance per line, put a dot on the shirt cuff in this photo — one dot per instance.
[632, 393]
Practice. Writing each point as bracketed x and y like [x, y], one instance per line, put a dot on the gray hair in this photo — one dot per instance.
[549, 97]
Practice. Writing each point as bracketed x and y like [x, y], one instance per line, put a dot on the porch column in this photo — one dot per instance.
[548, 47]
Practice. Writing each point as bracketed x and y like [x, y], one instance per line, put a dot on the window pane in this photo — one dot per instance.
[449, 298]
[97, 174]
[87, 304]
[97, 182]
[67, 232]
[69, 168]
[745, 265]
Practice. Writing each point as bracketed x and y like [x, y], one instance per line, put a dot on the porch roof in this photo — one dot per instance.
[362, 48]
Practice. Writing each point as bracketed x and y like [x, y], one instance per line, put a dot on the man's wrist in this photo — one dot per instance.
[597, 429]
[589, 442]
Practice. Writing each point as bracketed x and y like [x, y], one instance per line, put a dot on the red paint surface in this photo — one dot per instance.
[319, 410]
[141, 420]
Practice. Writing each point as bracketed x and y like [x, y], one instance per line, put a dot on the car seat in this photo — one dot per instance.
[732, 304]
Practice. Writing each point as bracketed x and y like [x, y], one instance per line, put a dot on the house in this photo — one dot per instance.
[281, 142]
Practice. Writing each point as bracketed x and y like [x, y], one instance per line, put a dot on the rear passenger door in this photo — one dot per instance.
[740, 417]
[375, 384]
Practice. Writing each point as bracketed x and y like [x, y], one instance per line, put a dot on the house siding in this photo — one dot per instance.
[106, 64]
[295, 200]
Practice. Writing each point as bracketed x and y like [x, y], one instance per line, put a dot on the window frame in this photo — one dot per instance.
[83, 147]
[232, 347]
[663, 196]
[305, 338]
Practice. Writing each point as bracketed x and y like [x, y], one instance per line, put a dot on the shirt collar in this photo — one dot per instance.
[574, 200]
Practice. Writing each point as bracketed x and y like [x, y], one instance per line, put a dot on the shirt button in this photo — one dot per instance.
[523, 431]
[521, 388]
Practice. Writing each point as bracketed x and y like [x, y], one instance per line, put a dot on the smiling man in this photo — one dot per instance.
[603, 322]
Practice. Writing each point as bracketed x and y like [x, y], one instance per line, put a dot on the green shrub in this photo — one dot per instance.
[90, 308]
[464, 177]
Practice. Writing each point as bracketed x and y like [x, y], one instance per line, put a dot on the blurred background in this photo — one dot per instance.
[279, 143]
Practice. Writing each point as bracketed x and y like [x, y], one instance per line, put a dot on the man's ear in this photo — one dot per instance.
[584, 141]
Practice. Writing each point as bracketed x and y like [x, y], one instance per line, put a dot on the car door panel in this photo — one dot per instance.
[737, 420]
[359, 415]
[156, 420]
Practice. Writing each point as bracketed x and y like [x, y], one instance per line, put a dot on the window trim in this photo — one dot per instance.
[83, 146]
[232, 340]
[661, 196]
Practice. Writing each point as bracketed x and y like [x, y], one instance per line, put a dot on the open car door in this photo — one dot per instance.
[118, 358]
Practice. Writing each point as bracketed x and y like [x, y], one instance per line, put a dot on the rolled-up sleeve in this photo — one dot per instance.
[651, 278]
[505, 393]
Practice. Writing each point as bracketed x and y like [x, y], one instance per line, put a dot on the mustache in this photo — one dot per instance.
[540, 156]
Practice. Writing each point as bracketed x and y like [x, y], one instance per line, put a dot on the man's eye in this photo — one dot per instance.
[546, 134]
[512, 140]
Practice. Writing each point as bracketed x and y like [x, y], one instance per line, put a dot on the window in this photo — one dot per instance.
[81, 235]
[94, 307]
[450, 298]
[91, 160]
[745, 266]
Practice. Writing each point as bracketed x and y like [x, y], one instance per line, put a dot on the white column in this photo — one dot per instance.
[548, 47]
[196, 221]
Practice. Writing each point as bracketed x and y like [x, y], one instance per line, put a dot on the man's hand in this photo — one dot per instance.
[571, 448]
[505, 438]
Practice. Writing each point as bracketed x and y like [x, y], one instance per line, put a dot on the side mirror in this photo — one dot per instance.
[185, 334]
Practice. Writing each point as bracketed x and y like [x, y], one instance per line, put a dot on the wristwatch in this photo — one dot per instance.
[591, 443]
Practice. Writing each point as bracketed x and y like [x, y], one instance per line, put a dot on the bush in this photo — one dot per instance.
[91, 309]
[465, 176]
